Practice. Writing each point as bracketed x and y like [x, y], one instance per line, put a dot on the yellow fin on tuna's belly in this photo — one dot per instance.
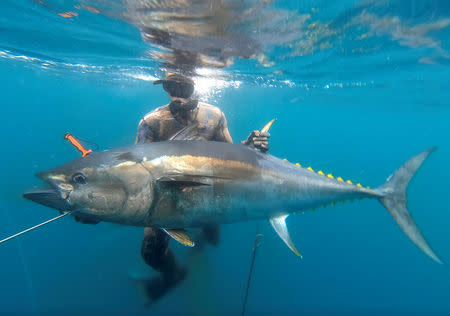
[181, 236]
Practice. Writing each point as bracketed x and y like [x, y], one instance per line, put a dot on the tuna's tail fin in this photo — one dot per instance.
[394, 200]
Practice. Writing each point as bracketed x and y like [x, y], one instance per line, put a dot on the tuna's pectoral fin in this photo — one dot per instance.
[181, 236]
[183, 181]
[279, 224]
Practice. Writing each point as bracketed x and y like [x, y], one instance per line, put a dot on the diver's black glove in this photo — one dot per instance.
[258, 140]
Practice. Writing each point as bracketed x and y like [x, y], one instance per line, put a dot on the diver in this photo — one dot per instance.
[188, 119]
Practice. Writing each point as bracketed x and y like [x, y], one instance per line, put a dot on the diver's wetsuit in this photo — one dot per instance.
[204, 122]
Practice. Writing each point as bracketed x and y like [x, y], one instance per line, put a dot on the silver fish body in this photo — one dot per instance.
[182, 184]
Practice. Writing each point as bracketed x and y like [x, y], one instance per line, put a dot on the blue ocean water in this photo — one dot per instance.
[357, 88]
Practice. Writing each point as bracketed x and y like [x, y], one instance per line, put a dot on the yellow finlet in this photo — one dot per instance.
[310, 169]
[330, 176]
[359, 185]
[333, 203]
[349, 182]
[298, 165]
[321, 172]
[340, 179]
[285, 159]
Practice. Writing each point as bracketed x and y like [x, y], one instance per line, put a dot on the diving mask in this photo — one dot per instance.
[177, 85]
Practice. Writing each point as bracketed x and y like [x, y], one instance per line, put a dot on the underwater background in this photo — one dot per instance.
[357, 88]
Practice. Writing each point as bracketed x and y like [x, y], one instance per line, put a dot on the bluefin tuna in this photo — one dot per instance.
[177, 185]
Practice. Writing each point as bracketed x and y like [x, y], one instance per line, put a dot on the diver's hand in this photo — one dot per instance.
[258, 140]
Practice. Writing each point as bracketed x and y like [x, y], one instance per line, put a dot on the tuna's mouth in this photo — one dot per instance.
[50, 198]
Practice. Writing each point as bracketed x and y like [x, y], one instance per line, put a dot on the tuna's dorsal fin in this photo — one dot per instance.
[279, 224]
[181, 236]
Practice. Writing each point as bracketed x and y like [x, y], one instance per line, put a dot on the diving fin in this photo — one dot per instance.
[394, 200]
[279, 224]
[181, 236]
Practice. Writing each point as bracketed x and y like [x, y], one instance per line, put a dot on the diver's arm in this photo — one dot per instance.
[222, 133]
[144, 133]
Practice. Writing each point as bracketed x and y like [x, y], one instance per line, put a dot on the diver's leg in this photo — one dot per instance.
[155, 248]
[157, 254]
[211, 234]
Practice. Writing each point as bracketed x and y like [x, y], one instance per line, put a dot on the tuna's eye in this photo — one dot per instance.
[79, 178]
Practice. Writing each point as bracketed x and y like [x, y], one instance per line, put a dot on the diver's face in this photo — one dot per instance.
[177, 99]
[180, 94]
[183, 104]
[178, 89]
